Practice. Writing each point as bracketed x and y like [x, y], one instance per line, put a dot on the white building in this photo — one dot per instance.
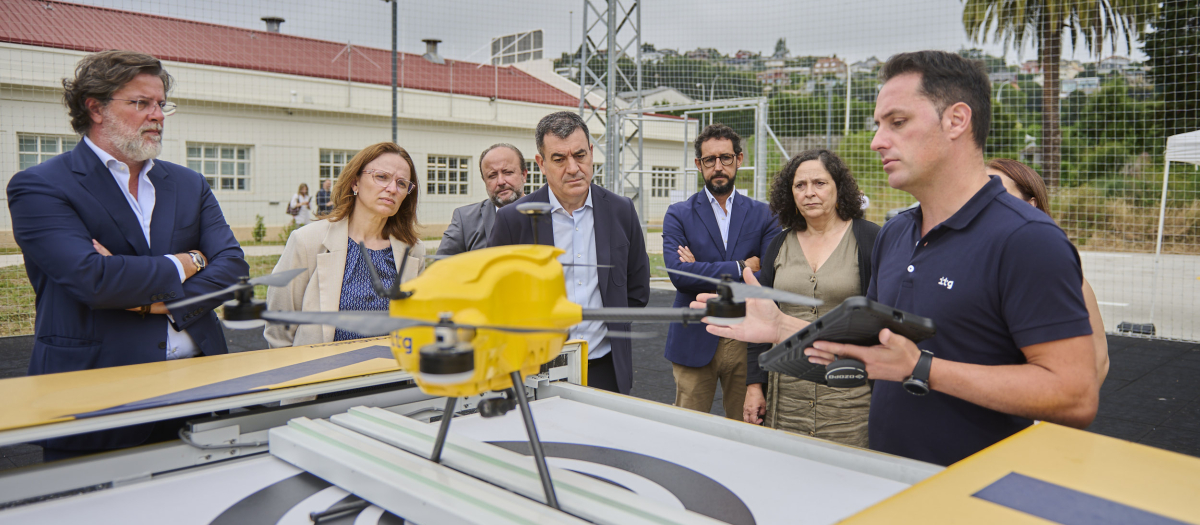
[262, 112]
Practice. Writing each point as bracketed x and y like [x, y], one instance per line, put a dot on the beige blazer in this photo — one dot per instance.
[321, 248]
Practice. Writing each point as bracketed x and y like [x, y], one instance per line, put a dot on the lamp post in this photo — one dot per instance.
[395, 135]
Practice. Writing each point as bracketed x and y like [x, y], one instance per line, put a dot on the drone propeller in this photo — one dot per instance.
[631, 335]
[275, 279]
[377, 282]
[370, 324]
[744, 291]
[438, 257]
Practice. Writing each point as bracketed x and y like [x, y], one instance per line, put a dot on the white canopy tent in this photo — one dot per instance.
[1184, 147]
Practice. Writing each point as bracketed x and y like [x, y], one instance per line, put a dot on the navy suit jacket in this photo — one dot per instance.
[692, 223]
[57, 208]
[619, 242]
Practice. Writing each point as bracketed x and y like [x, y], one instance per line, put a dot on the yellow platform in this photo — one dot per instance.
[1052, 474]
[40, 400]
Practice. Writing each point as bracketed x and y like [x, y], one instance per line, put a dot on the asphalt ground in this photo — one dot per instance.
[1151, 395]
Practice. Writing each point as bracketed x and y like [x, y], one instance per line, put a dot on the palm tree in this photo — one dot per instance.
[1044, 22]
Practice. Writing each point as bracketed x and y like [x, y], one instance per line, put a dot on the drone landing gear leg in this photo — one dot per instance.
[534, 443]
[447, 415]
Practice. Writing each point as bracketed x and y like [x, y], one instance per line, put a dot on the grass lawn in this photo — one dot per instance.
[17, 300]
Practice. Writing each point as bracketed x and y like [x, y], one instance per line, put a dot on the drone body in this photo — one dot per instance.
[512, 286]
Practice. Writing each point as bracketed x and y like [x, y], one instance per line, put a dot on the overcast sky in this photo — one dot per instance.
[855, 29]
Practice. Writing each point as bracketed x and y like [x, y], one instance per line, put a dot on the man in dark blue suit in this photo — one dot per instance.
[110, 236]
[716, 232]
[595, 227]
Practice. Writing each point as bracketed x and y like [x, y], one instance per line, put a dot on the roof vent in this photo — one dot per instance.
[431, 53]
[272, 23]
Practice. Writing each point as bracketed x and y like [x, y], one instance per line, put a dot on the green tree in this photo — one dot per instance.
[781, 49]
[1174, 51]
[1044, 22]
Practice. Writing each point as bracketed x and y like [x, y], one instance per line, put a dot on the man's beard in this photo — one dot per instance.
[723, 190]
[500, 203]
[129, 141]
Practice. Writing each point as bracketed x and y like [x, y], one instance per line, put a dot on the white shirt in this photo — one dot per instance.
[722, 215]
[179, 344]
[575, 233]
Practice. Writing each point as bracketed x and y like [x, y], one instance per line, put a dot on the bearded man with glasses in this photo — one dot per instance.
[110, 235]
[714, 233]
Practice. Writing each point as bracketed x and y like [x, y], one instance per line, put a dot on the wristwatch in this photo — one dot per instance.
[917, 384]
[741, 268]
[198, 260]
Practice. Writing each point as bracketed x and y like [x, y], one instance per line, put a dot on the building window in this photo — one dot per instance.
[445, 175]
[535, 179]
[662, 181]
[224, 166]
[332, 162]
[36, 149]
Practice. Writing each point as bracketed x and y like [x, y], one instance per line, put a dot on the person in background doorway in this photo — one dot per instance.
[323, 198]
[300, 206]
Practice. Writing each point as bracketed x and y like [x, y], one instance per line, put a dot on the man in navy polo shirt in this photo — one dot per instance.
[1001, 282]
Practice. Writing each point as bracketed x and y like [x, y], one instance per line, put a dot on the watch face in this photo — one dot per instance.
[916, 386]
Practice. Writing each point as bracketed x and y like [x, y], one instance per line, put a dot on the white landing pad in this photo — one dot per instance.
[731, 481]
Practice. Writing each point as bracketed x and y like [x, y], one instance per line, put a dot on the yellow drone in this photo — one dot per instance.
[481, 321]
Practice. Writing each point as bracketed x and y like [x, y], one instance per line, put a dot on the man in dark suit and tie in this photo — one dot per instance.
[595, 227]
[503, 169]
[716, 232]
[111, 236]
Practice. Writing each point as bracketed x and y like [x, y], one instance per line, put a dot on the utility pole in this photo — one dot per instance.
[395, 112]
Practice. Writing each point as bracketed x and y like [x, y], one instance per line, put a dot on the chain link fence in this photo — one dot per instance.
[1087, 93]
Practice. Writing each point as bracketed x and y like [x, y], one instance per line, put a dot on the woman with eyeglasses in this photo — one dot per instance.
[374, 202]
[824, 252]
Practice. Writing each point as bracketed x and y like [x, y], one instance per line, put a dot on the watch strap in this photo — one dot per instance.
[921, 371]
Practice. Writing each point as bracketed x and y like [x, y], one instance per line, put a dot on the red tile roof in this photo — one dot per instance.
[73, 26]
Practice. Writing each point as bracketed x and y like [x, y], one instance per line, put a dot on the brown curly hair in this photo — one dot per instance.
[849, 197]
[402, 225]
[99, 75]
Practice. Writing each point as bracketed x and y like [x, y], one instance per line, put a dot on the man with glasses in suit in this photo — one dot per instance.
[112, 236]
[716, 232]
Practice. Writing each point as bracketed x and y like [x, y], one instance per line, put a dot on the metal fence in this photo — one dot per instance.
[1087, 96]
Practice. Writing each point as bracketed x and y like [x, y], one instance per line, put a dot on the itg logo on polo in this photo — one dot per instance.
[946, 282]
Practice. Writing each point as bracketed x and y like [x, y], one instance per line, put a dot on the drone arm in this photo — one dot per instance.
[666, 315]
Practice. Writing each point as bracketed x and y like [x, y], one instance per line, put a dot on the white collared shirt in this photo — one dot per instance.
[722, 215]
[179, 344]
[576, 234]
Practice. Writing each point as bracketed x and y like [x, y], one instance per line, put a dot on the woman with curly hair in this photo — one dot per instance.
[823, 252]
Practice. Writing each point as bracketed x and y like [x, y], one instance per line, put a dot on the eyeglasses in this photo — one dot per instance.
[384, 179]
[709, 162]
[168, 108]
